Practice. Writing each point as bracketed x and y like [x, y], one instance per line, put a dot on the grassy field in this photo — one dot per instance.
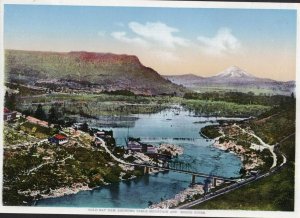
[271, 194]
[223, 108]
[92, 105]
[275, 124]
[255, 90]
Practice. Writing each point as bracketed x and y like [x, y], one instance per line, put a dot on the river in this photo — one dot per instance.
[173, 125]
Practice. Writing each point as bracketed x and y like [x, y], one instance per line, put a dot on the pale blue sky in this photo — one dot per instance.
[214, 32]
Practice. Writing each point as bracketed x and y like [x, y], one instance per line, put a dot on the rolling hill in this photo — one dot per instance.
[85, 71]
[233, 79]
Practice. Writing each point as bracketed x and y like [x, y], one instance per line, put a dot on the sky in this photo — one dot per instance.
[172, 41]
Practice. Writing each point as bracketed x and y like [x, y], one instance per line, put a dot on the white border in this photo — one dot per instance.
[158, 3]
[147, 212]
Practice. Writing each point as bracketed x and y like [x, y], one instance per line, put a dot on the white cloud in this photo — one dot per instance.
[223, 42]
[158, 38]
[155, 35]
[158, 32]
[122, 36]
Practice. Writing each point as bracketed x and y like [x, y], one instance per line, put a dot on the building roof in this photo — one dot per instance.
[133, 143]
[60, 137]
[6, 110]
[37, 121]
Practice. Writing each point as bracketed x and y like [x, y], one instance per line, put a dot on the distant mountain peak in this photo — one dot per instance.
[234, 72]
[188, 76]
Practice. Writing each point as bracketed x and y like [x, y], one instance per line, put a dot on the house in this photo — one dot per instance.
[8, 115]
[104, 134]
[151, 149]
[100, 134]
[59, 139]
[148, 149]
[37, 121]
[134, 146]
[98, 142]
[77, 125]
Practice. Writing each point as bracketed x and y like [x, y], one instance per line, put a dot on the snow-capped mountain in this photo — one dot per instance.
[233, 79]
[234, 72]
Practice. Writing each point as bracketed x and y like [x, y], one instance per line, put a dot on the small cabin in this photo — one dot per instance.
[59, 139]
[148, 149]
[151, 149]
[134, 146]
[104, 134]
[8, 115]
[98, 142]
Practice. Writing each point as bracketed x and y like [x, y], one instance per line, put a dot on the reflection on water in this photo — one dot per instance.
[179, 127]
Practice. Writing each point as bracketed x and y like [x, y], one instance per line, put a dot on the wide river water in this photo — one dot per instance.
[175, 126]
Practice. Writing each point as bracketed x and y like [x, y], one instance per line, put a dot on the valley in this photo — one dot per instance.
[75, 96]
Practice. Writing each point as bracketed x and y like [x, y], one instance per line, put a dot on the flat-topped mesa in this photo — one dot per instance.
[105, 57]
[81, 71]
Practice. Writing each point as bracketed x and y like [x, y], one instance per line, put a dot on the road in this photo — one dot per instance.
[103, 145]
[46, 163]
[263, 144]
[228, 189]
[239, 184]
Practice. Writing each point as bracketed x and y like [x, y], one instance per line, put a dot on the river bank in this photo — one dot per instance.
[188, 193]
[139, 158]
[160, 132]
[250, 160]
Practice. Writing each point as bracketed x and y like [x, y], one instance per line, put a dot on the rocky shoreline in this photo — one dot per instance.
[253, 162]
[173, 150]
[77, 187]
[188, 193]
[54, 193]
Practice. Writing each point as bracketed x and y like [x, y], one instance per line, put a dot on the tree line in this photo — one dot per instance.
[242, 98]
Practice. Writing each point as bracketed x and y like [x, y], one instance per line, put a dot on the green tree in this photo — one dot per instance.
[40, 113]
[28, 112]
[85, 127]
[10, 101]
[53, 115]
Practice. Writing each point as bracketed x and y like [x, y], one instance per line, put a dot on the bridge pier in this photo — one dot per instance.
[166, 164]
[193, 179]
[146, 170]
[214, 182]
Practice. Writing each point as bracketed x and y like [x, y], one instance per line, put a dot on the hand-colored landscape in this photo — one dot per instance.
[105, 128]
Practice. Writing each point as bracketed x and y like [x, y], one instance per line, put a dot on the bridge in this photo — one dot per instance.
[180, 168]
[175, 166]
